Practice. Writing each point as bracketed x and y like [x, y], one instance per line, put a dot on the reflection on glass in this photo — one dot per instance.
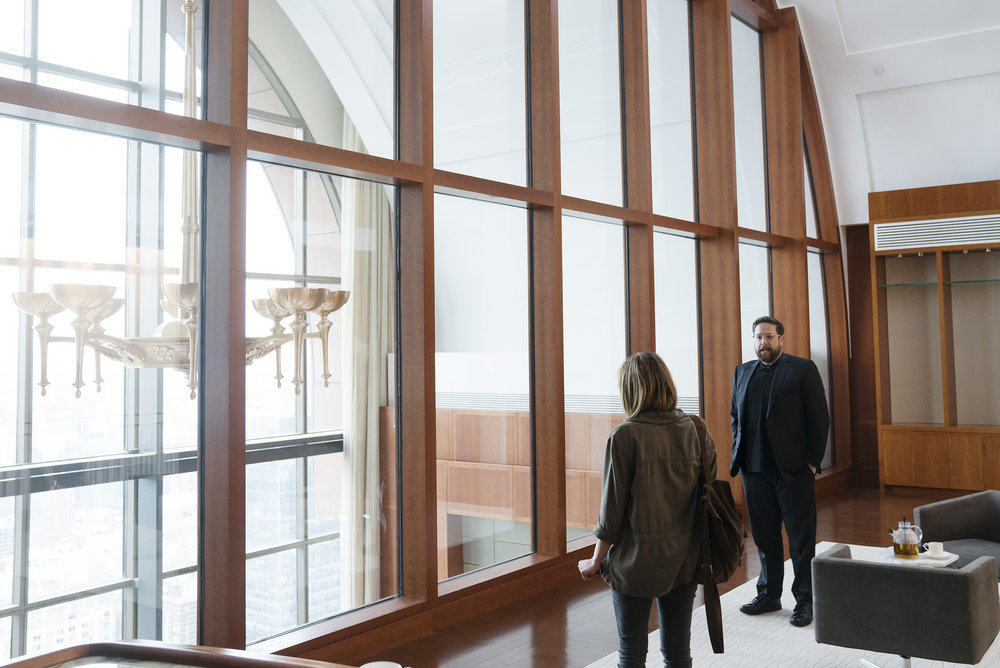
[975, 294]
[589, 100]
[272, 595]
[180, 609]
[479, 88]
[482, 373]
[755, 292]
[670, 109]
[676, 295]
[7, 527]
[595, 345]
[98, 365]
[915, 340]
[819, 346]
[81, 621]
[138, 59]
[320, 70]
[748, 101]
[85, 522]
[320, 318]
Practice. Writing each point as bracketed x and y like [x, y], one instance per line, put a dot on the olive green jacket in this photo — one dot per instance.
[650, 502]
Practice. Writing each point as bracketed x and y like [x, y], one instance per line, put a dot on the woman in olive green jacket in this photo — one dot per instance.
[646, 547]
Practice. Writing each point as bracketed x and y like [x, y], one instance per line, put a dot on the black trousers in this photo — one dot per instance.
[772, 500]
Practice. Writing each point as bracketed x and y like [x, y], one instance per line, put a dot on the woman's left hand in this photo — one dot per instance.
[588, 568]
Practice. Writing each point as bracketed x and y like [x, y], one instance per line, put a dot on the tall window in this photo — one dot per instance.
[595, 345]
[589, 99]
[671, 127]
[321, 339]
[320, 70]
[675, 268]
[482, 373]
[819, 335]
[479, 94]
[97, 416]
[748, 100]
[755, 291]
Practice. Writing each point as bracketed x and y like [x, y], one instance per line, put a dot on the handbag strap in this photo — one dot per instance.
[706, 552]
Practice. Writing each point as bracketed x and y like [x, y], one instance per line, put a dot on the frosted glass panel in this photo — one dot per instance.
[914, 340]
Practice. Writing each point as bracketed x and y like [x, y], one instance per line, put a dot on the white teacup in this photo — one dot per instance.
[934, 549]
[381, 664]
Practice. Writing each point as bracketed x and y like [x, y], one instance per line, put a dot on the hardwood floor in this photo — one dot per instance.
[574, 625]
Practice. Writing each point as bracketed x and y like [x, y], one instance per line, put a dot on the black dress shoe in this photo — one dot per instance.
[762, 603]
[803, 614]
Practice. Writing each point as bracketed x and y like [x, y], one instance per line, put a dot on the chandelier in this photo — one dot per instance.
[176, 346]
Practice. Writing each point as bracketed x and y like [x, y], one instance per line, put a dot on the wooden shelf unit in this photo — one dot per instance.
[936, 311]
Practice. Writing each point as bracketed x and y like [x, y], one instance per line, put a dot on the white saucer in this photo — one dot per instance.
[943, 555]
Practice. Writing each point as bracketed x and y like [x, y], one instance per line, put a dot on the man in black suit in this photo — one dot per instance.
[780, 423]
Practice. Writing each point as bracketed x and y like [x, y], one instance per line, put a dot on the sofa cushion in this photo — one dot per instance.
[970, 549]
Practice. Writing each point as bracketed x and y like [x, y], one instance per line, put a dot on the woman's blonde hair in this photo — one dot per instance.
[645, 385]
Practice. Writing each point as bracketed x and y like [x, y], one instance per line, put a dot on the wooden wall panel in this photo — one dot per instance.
[897, 465]
[480, 490]
[445, 432]
[576, 498]
[965, 461]
[521, 490]
[578, 443]
[990, 444]
[486, 436]
[862, 397]
[718, 269]
[961, 199]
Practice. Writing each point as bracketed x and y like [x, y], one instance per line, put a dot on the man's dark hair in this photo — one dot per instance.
[771, 321]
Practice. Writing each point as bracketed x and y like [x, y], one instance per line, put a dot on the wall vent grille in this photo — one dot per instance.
[936, 233]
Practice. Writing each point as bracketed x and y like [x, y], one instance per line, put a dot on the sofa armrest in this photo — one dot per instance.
[935, 613]
[970, 516]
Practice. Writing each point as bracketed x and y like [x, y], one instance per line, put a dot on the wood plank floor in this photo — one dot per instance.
[572, 626]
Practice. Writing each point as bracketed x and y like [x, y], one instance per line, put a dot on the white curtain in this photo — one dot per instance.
[369, 273]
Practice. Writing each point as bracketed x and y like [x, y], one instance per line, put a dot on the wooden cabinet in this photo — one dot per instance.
[936, 301]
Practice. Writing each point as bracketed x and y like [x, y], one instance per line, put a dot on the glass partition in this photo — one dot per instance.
[482, 373]
[595, 345]
[98, 417]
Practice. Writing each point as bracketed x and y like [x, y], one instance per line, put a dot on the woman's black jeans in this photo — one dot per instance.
[632, 614]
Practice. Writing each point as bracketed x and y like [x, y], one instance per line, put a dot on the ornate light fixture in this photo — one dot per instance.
[177, 346]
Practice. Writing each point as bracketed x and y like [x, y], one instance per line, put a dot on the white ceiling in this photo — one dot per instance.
[909, 92]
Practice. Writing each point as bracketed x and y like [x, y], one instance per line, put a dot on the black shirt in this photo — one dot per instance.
[758, 457]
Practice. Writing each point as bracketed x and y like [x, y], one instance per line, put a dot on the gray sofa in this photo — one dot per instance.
[944, 614]
[969, 525]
